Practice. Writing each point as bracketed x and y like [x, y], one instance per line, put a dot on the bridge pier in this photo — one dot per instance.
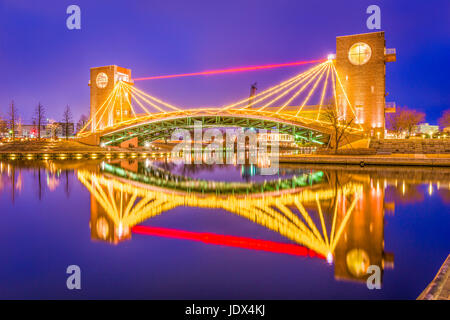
[91, 140]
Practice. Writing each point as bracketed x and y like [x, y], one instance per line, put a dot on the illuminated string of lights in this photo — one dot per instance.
[127, 105]
[323, 92]
[134, 89]
[226, 240]
[128, 203]
[275, 89]
[230, 70]
[318, 76]
[105, 109]
[345, 95]
[313, 89]
[301, 90]
[309, 78]
[99, 109]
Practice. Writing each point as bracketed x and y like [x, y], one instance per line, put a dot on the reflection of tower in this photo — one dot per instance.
[362, 243]
[248, 171]
[102, 82]
[361, 66]
[102, 225]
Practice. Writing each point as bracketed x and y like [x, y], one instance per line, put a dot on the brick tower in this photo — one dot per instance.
[102, 82]
[361, 65]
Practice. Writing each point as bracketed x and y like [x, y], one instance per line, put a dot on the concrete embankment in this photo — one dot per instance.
[435, 160]
[439, 288]
[68, 150]
[80, 155]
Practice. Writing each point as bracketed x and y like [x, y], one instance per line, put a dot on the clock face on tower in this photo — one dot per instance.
[102, 80]
[359, 53]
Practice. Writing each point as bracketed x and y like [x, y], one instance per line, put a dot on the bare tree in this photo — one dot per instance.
[404, 119]
[444, 121]
[13, 115]
[67, 118]
[340, 124]
[39, 118]
[82, 122]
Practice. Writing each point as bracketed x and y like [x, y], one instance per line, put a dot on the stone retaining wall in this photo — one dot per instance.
[439, 288]
[422, 146]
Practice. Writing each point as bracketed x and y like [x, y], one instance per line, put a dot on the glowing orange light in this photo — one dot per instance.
[210, 72]
[231, 241]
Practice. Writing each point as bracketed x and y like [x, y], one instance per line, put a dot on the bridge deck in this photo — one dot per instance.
[305, 126]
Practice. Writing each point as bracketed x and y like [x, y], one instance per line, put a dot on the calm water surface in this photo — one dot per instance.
[157, 229]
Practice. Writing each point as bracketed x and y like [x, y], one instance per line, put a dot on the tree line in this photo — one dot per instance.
[10, 123]
[405, 120]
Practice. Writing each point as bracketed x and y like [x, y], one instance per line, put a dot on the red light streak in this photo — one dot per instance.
[229, 241]
[211, 72]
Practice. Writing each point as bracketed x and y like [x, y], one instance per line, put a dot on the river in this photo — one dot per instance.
[158, 229]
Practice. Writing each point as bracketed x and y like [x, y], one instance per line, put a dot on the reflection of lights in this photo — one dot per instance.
[232, 241]
[403, 188]
[19, 182]
[357, 262]
[210, 72]
[330, 258]
[120, 230]
[430, 188]
[102, 228]
[52, 182]
[285, 223]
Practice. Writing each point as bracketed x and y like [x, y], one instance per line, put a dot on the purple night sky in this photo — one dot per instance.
[42, 61]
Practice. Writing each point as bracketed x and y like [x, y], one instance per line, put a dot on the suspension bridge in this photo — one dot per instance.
[129, 112]
[346, 90]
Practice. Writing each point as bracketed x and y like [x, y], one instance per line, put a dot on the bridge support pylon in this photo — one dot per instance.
[102, 82]
[361, 67]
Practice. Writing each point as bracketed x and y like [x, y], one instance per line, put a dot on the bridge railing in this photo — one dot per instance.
[389, 51]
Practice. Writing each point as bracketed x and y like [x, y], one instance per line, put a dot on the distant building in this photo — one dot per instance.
[3, 128]
[272, 137]
[29, 131]
[58, 130]
[426, 128]
[51, 130]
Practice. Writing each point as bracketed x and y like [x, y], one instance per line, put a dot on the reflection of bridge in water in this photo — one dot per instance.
[323, 215]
